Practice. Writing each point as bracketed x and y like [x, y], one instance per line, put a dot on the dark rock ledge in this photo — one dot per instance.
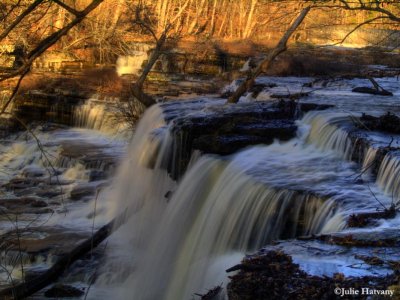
[225, 129]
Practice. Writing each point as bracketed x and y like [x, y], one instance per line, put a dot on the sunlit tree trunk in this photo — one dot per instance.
[250, 21]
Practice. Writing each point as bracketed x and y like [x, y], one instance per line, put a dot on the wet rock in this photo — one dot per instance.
[63, 291]
[25, 205]
[91, 155]
[213, 294]
[33, 172]
[95, 175]
[306, 107]
[8, 126]
[273, 275]
[371, 260]
[387, 238]
[388, 122]
[22, 183]
[50, 192]
[226, 129]
[366, 219]
[39, 203]
[44, 241]
[82, 191]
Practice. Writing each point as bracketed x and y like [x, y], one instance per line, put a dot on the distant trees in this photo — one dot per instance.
[76, 25]
[388, 9]
[377, 10]
[212, 18]
[382, 14]
[265, 64]
[24, 18]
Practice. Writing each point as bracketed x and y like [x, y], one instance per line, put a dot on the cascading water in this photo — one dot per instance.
[132, 63]
[181, 236]
[222, 208]
[389, 175]
[326, 133]
[216, 212]
[369, 159]
[98, 116]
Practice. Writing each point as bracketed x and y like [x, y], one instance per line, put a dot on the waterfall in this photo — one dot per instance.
[132, 63]
[326, 133]
[142, 176]
[217, 212]
[98, 116]
[181, 236]
[369, 160]
[184, 235]
[389, 175]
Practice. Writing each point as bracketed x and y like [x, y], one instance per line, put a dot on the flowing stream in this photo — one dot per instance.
[182, 236]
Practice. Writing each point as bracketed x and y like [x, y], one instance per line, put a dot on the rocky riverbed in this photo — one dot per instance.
[306, 180]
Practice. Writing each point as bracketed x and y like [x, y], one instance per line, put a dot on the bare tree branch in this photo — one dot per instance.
[68, 8]
[264, 65]
[50, 41]
[18, 20]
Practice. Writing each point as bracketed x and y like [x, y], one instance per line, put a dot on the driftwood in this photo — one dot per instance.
[36, 283]
[376, 90]
[265, 64]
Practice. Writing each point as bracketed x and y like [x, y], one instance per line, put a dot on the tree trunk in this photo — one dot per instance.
[137, 88]
[265, 64]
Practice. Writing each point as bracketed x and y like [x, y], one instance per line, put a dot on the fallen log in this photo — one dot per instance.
[376, 90]
[372, 91]
[36, 283]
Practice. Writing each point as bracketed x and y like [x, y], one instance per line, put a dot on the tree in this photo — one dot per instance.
[265, 64]
[386, 12]
[381, 9]
[15, 16]
[160, 29]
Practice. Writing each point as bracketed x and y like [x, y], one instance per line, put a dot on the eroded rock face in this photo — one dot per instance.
[225, 129]
[388, 123]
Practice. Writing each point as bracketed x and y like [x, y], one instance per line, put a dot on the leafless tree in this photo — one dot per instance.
[265, 64]
[47, 41]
